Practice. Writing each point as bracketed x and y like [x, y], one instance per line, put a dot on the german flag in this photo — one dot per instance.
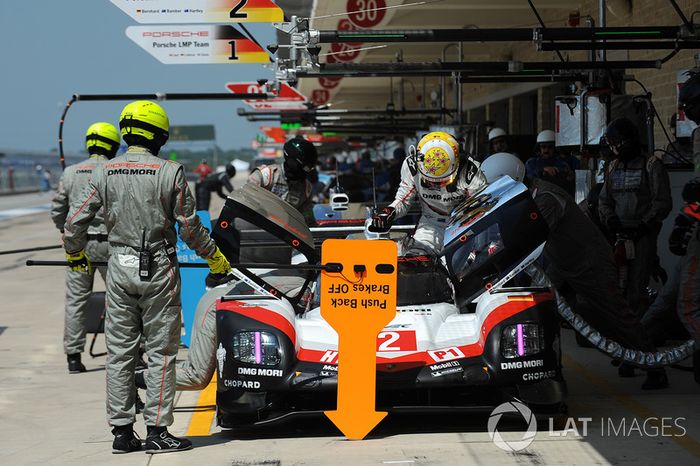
[249, 11]
[230, 44]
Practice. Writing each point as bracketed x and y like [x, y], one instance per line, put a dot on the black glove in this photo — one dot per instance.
[382, 221]
[680, 235]
[614, 224]
[217, 279]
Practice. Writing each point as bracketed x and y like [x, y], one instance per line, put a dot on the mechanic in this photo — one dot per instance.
[290, 181]
[143, 197]
[685, 242]
[689, 100]
[581, 265]
[498, 142]
[102, 142]
[633, 203]
[548, 165]
[436, 174]
[203, 170]
[215, 182]
[196, 372]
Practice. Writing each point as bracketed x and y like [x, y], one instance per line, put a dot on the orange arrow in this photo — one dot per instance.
[358, 307]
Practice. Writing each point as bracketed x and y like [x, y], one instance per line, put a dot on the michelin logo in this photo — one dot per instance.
[221, 358]
[445, 368]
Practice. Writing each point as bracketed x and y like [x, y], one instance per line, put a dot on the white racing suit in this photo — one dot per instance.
[436, 202]
[79, 284]
[143, 196]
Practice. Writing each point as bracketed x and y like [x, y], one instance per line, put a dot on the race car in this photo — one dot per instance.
[470, 331]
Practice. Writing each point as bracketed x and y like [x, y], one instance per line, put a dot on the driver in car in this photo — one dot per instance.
[435, 173]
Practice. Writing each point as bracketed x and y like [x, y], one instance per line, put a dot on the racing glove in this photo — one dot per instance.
[680, 235]
[383, 220]
[214, 280]
[78, 261]
[218, 264]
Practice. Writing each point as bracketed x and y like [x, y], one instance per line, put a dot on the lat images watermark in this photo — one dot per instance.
[580, 427]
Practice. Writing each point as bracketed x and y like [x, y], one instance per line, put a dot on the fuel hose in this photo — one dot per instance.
[607, 345]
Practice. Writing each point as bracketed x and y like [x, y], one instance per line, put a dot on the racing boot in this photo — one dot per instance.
[74, 364]
[125, 441]
[159, 440]
[656, 379]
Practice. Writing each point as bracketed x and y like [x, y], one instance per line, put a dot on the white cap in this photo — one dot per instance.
[545, 136]
[496, 133]
[501, 164]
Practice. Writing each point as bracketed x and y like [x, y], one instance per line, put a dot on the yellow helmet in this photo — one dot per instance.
[438, 157]
[145, 119]
[102, 138]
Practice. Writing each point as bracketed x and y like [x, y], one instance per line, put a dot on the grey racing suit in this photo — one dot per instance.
[582, 268]
[638, 193]
[143, 197]
[436, 202]
[297, 192]
[79, 284]
[196, 371]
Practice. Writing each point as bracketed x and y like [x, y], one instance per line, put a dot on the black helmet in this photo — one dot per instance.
[689, 97]
[623, 135]
[230, 170]
[691, 191]
[621, 130]
[300, 158]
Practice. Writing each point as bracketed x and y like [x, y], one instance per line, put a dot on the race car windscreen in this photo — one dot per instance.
[490, 235]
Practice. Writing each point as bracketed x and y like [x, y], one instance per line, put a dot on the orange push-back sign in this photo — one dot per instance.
[358, 303]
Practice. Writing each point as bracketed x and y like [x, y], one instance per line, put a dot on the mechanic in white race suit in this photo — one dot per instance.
[435, 173]
[102, 141]
[143, 198]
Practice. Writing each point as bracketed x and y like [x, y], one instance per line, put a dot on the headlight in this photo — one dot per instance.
[260, 348]
[522, 340]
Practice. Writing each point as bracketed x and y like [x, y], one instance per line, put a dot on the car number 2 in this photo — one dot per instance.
[396, 341]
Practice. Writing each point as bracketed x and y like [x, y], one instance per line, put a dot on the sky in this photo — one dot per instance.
[53, 49]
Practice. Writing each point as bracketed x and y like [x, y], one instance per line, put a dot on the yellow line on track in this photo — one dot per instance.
[637, 408]
[200, 424]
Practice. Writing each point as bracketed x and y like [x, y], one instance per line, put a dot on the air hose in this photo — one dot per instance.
[608, 346]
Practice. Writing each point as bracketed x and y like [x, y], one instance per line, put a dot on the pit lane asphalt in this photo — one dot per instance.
[49, 417]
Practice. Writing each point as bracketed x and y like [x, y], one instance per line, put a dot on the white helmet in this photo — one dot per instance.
[500, 164]
[438, 157]
[496, 133]
[545, 136]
